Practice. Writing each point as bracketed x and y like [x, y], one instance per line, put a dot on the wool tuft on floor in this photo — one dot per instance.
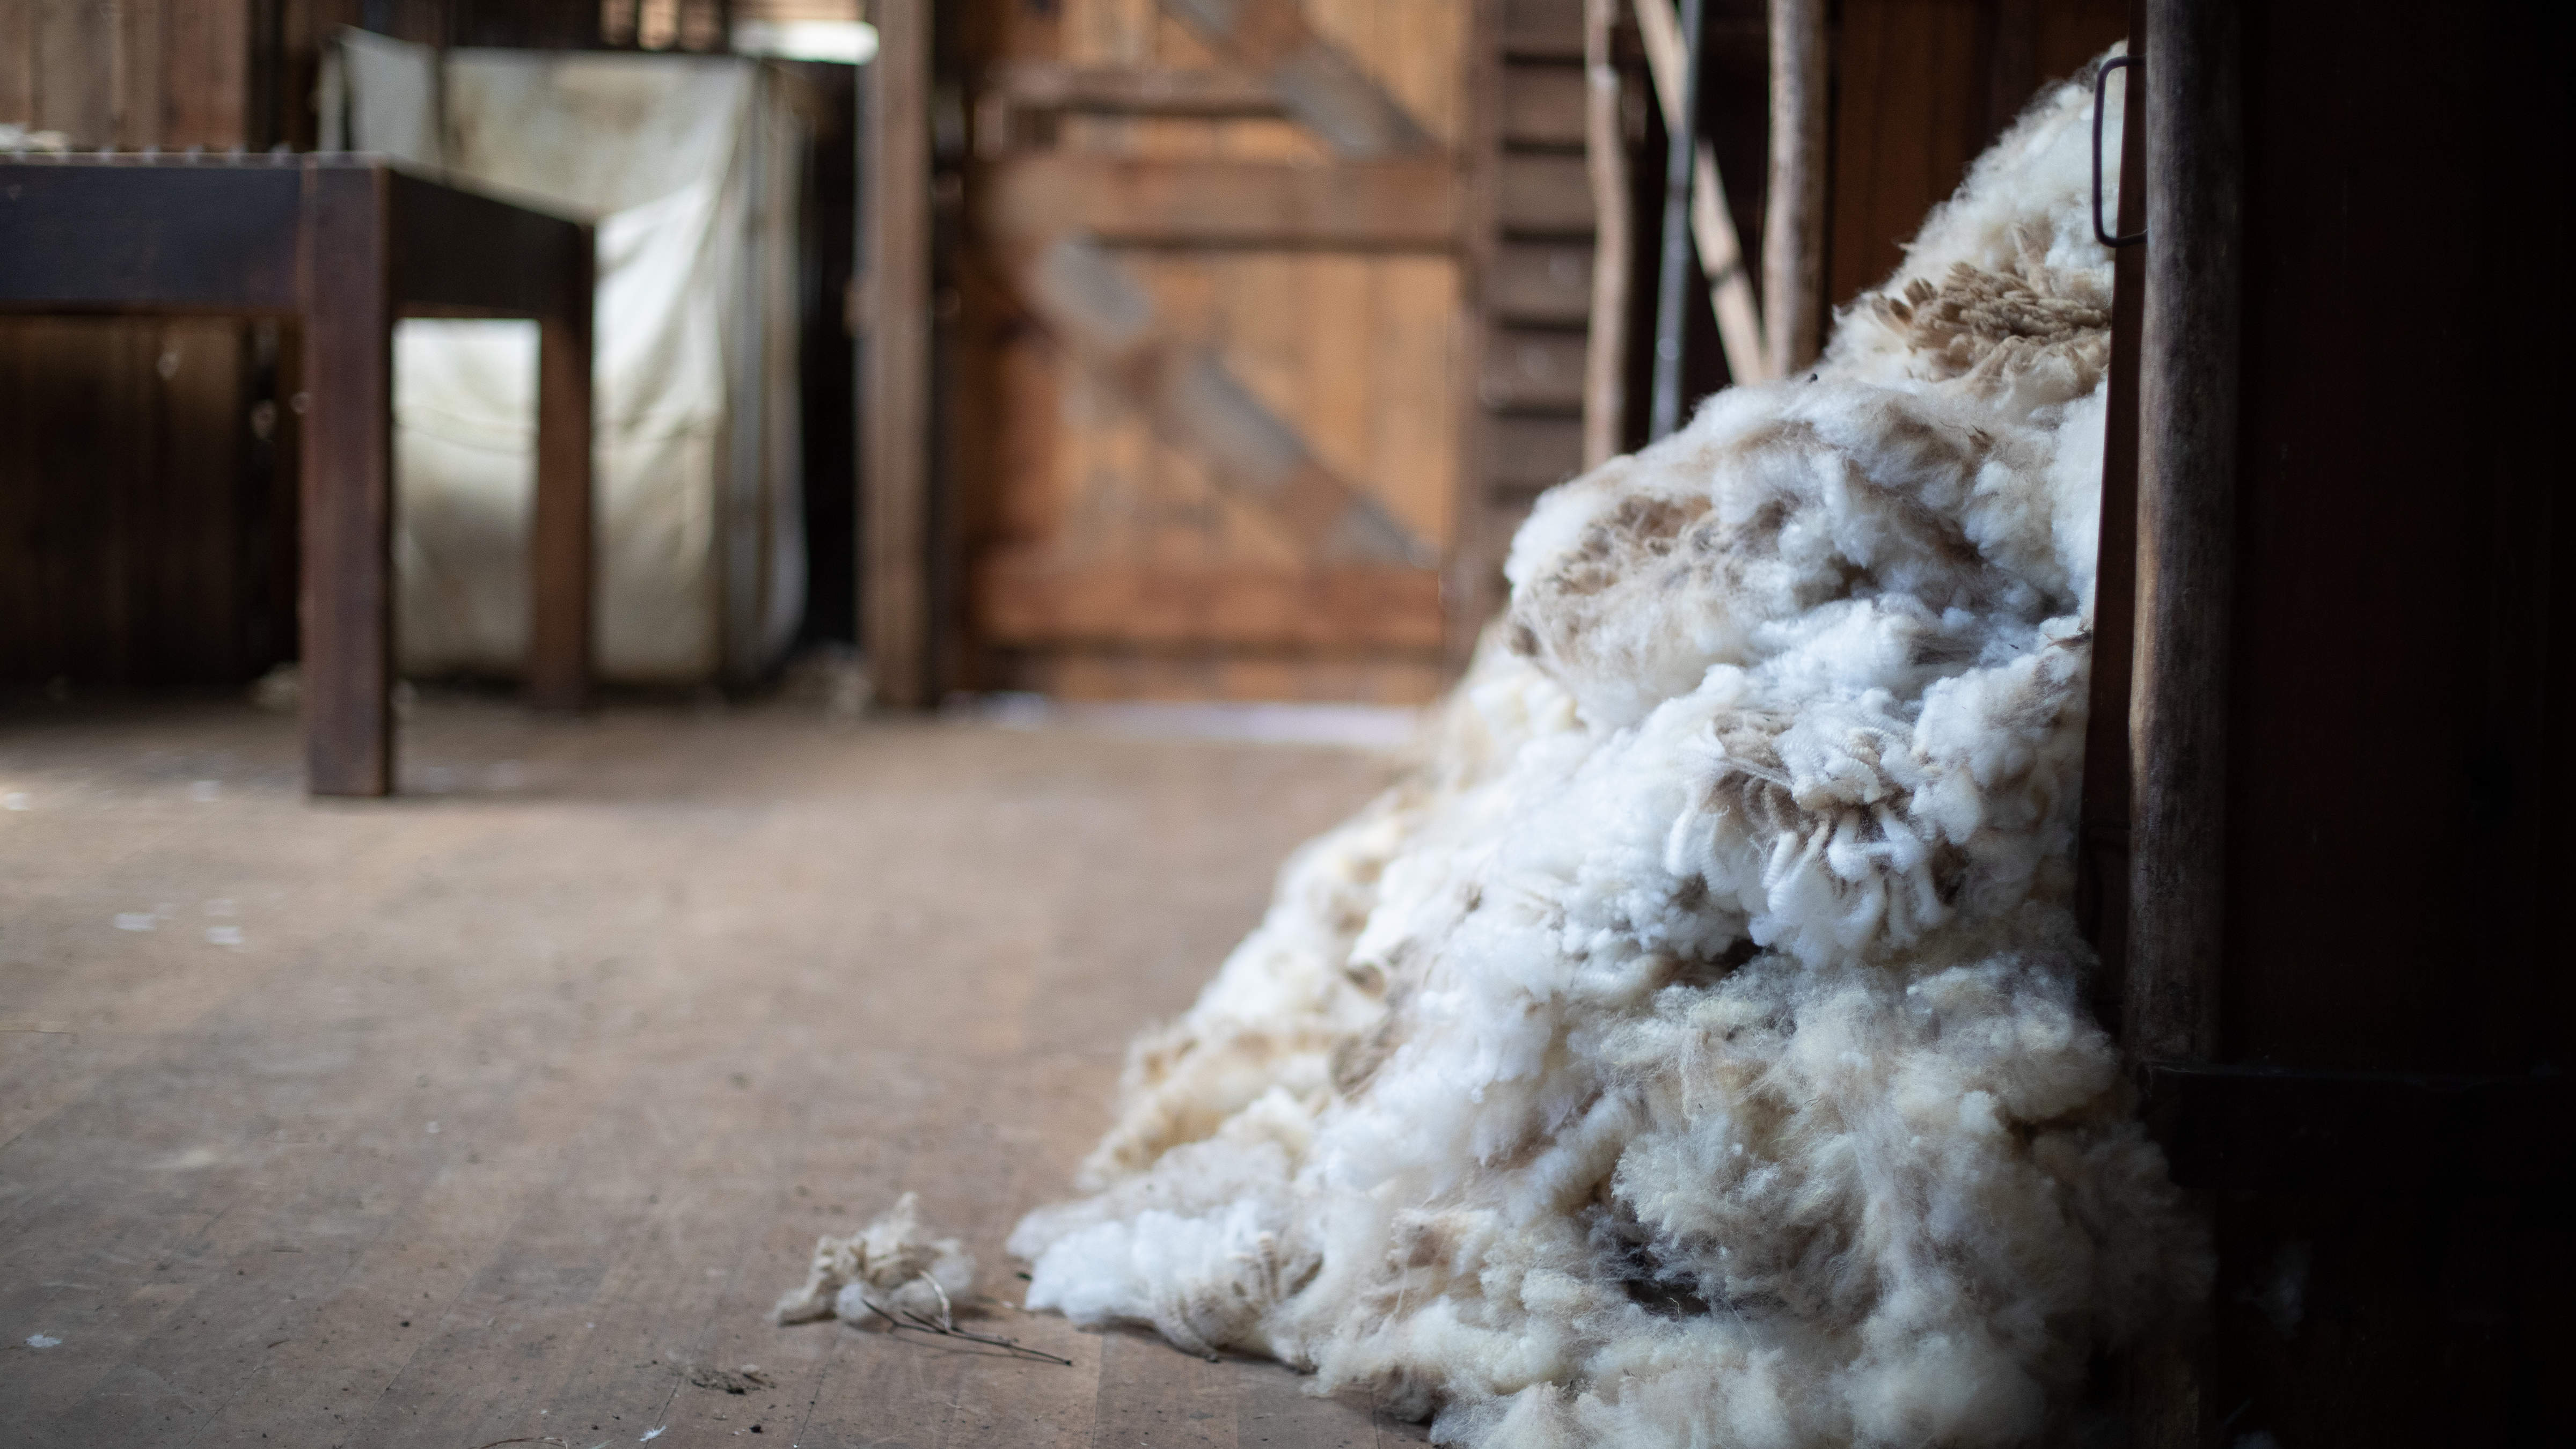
[1693, 1049]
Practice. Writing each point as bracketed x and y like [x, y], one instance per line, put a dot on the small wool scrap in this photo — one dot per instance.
[890, 1266]
[1695, 1049]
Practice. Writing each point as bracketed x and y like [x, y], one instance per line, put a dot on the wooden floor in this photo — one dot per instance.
[501, 1112]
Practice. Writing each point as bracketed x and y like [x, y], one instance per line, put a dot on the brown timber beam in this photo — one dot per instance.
[1030, 603]
[1313, 78]
[1380, 206]
[1046, 85]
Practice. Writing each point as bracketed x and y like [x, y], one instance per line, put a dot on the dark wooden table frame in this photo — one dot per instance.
[340, 245]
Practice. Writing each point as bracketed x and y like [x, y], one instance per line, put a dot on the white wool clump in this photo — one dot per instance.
[1692, 1050]
[892, 1265]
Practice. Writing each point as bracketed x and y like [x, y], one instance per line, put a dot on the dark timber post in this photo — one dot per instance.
[894, 406]
[2186, 529]
[2186, 513]
[348, 482]
[560, 590]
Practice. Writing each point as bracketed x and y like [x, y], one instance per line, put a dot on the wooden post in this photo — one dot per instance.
[2185, 588]
[2104, 831]
[2186, 531]
[1721, 250]
[347, 599]
[1793, 225]
[1605, 357]
[1674, 253]
[560, 591]
[894, 408]
[2163, 596]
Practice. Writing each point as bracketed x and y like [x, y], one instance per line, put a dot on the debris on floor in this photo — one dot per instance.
[737, 1382]
[891, 1266]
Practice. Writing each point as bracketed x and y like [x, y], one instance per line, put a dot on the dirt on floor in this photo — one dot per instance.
[501, 1111]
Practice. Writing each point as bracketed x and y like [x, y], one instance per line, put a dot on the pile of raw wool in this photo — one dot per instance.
[1692, 1050]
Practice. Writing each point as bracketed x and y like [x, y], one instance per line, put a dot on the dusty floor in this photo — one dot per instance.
[495, 1112]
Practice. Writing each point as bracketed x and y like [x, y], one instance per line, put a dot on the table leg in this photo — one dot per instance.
[347, 597]
[560, 547]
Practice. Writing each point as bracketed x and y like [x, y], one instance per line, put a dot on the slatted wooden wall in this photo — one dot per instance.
[1529, 248]
[1920, 88]
[145, 518]
[1106, 559]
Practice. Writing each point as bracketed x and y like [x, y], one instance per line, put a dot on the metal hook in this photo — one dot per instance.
[2102, 233]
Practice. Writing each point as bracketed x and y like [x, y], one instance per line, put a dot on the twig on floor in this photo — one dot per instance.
[919, 1324]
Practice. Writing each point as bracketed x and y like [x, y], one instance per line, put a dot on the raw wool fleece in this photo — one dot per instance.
[890, 1266]
[1691, 1051]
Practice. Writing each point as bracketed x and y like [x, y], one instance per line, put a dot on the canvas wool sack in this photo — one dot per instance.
[1693, 1050]
[689, 167]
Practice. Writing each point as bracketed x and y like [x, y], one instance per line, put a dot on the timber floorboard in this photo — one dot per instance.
[502, 1110]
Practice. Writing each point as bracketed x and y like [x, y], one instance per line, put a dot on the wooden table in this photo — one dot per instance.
[340, 245]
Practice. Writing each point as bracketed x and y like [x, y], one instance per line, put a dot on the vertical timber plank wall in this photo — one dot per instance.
[2387, 667]
[141, 519]
[894, 411]
[2398, 709]
[1920, 88]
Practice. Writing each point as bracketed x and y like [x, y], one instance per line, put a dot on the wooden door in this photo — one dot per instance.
[1209, 424]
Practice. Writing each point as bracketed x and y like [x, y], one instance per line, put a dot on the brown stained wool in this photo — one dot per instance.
[1691, 1050]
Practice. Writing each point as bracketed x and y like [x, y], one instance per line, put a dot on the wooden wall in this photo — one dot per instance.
[2361, 1074]
[146, 505]
[145, 523]
[1102, 557]
[1096, 558]
[2399, 718]
[1921, 87]
[142, 73]
[1081, 553]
